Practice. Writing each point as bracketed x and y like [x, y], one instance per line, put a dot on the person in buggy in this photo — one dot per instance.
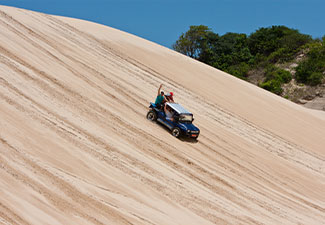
[169, 113]
[169, 97]
[160, 99]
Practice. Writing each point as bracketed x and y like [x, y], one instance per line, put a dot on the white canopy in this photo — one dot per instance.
[178, 108]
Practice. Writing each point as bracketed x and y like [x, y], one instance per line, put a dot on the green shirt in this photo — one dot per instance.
[159, 100]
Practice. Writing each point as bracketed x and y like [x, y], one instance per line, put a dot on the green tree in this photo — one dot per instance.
[280, 41]
[228, 52]
[192, 42]
[208, 52]
[238, 54]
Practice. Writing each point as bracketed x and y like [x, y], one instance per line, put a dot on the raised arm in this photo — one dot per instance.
[159, 90]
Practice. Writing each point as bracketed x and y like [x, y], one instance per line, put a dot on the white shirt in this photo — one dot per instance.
[169, 115]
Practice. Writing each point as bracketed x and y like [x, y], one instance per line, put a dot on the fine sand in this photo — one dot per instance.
[76, 147]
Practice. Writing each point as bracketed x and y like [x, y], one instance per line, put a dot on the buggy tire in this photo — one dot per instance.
[176, 132]
[152, 115]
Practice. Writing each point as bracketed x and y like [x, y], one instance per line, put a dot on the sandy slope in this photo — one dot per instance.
[76, 148]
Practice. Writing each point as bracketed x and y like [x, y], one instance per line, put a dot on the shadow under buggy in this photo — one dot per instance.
[181, 123]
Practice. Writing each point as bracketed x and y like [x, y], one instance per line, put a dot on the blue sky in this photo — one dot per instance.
[163, 21]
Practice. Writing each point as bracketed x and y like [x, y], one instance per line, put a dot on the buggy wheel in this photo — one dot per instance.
[151, 115]
[176, 132]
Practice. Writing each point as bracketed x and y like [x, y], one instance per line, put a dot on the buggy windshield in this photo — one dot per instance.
[186, 118]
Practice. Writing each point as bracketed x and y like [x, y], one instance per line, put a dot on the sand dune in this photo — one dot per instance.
[76, 148]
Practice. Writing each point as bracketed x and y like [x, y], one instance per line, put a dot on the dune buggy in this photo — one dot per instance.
[181, 124]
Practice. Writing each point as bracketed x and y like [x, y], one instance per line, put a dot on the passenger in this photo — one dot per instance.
[169, 97]
[169, 113]
[160, 98]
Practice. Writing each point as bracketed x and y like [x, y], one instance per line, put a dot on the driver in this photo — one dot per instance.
[169, 113]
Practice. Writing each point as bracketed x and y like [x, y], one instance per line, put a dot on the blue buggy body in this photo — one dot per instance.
[181, 123]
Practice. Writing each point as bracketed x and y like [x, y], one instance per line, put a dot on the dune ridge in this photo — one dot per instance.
[76, 148]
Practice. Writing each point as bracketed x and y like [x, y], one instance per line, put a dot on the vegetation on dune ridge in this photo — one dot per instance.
[279, 54]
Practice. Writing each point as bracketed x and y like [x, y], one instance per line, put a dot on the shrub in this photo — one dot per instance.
[315, 78]
[274, 73]
[310, 71]
[303, 71]
[239, 70]
[284, 75]
[281, 55]
[273, 86]
[275, 77]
